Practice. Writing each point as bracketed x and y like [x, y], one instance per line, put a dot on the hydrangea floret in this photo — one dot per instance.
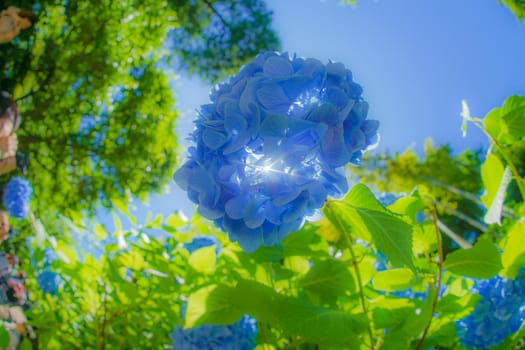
[499, 313]
[238, 336]
[272, 145]
[17, 195]
[49, 282]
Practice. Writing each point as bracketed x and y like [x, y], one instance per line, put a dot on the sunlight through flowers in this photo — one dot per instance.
[272, 145]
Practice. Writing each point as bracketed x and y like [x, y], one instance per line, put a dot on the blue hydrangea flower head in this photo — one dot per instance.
[49, 282]
[238, 336]
[17, 195]
[500, 312]
[201, 242]
[271, 146]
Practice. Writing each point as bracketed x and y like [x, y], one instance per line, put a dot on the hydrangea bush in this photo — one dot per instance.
[500, 312]
[272, 145]
[17, 195]
[238, 336]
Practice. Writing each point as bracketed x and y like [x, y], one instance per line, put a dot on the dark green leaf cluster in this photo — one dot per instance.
[215, 37]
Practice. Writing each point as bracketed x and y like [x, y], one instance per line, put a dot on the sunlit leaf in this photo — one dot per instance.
[393, 279]
[481, 261]
[513, 256]
[361, 215]
[212, 305]
[100, 231]
[203, 259]
[329, 278]
[493, 215]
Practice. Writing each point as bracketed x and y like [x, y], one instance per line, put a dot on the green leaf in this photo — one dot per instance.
[493, 215]
[507, 123]
[481, 261]
[219, 304]
[132, 259]
[122, 206]
[404, 319]
[305, 242]
[513, 256]
[203, 259]
[394, 279]
[176, 220]
[514, 116]
[155, 223]
[66, 252]
[328, 278]
[491, 174]
[361, 215]
[4, 336]
[495, 179]
[408, 206]
[100, 231]
[297, 317]
[425, 239]
[213, 304]
[267, 254]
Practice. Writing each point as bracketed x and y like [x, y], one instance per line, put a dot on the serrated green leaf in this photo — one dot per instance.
[408, 206]
[507, 123]
[393, 279]
[513, 115]
[328, 278]
[363, 216]
[203, 259]
[513, 256]
[483, 260]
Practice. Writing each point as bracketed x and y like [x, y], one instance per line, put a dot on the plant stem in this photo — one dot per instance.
[439, 273]
[355, 264]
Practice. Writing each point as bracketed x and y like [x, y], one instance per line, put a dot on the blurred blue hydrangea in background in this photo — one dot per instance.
[238, 336]
[17, 195]
[500, 312]
[49, 282]
[202, 241]
[272, 145]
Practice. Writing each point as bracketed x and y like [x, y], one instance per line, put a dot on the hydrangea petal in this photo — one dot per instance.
[277, 67]
[272, 97]
[213, 139]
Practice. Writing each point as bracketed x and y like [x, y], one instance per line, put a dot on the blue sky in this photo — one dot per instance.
[416, 61]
